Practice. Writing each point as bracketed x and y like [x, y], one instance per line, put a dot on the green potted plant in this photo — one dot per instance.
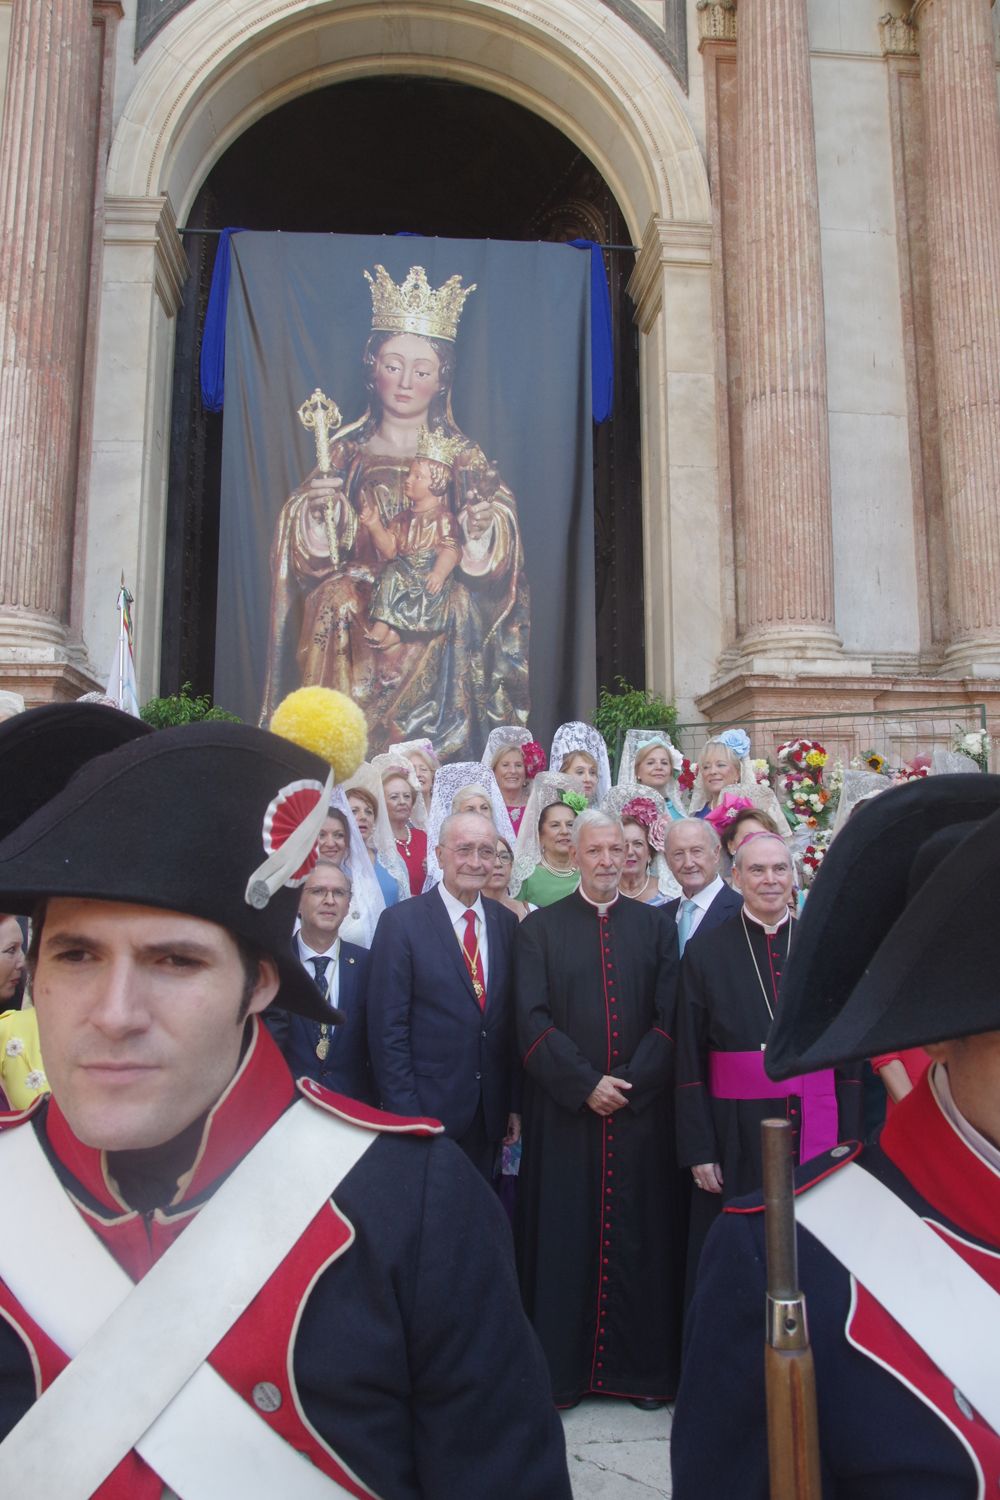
[182, 708]
[626, 707]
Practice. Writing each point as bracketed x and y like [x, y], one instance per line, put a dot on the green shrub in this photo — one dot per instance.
[628, 707]
[183, 708]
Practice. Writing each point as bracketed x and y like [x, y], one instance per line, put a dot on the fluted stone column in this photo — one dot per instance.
[786, 530]
[962, 133]
[46, 209]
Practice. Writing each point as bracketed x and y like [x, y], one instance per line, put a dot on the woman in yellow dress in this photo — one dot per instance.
[22, 1077]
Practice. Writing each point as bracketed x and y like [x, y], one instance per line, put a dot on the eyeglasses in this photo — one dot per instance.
[503, 856]
[470, 851]
[321, 892]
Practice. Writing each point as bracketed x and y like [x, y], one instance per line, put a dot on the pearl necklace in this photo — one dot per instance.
[552, 869]
[407, 838]
[636, 895]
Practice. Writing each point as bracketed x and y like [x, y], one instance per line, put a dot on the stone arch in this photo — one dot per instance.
[218, 67]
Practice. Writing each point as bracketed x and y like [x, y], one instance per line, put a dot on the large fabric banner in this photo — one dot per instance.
[407, 508]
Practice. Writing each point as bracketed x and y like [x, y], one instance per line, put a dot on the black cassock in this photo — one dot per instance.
[599, 1226]
[728, 978]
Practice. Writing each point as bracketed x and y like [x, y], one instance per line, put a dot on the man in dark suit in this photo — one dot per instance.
[693, 852]
[440, 1009]
[334, 1055]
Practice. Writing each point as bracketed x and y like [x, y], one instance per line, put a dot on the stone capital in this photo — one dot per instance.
[899, 35]
[149, 224]
[716, 21]
[665, 243]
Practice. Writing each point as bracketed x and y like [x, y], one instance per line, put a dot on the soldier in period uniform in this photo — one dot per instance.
[214, 1281]
[899, 1242]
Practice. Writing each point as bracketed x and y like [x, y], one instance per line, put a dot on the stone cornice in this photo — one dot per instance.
[665, 244]
[716, 21]
[899, 35]
[920, 5]
[150, 223]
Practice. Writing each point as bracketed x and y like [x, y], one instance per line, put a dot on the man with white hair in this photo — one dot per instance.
[728, 998]
[440, 1027]
[598, 1230]
[694, 853]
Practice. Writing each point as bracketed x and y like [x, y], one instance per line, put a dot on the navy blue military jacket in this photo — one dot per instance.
[892, 1426]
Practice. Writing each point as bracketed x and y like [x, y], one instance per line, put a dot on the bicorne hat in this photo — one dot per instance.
[898, 943]
[215, 820]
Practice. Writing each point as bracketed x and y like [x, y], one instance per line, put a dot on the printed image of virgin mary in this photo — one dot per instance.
[453, 686]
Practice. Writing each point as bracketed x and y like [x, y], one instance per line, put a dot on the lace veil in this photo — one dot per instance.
[547, 787]
[638, 739]
[613, 803]
[579, 736]
[502, 739]
[747, 786]
[367, 779]
[367, 901]
[448, 782]
[394, 760]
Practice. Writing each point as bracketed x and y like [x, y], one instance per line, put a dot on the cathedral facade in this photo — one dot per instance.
[812, 192]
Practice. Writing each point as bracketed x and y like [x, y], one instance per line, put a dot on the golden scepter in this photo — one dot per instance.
[792, 1430]
[321, 416]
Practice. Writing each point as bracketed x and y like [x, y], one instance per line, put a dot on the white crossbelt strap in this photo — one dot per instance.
[925, 1285]
[137, 1377]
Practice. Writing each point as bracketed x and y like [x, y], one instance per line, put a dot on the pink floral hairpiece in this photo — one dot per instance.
[534, 758]
[720, 817]
[640, 810]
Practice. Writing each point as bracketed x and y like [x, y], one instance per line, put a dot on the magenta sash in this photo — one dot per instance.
[740, 1075]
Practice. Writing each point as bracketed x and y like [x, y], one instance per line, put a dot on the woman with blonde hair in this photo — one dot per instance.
[724, 771]
[651, 761]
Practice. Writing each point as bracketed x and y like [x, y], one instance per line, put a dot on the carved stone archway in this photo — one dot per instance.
[218, 67]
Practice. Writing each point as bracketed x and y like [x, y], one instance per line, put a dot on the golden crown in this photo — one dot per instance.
[414, 306]
[438, 446]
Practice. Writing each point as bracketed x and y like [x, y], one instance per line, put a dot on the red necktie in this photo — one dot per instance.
[473, 959]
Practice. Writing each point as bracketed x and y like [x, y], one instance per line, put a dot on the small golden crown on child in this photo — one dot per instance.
[414, 306]
[437, 445]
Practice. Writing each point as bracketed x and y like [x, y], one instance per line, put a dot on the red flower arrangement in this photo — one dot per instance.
[687, 774]
[534, 758]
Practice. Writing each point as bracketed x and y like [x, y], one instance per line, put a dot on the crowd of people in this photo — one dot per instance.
[576, 981]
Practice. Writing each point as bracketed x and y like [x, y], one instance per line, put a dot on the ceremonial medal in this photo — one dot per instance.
[323, 1045]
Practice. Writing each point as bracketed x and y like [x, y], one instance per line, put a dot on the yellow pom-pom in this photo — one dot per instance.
[326, 722]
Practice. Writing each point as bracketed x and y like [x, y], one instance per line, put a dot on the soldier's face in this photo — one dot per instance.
[140, 1018]
[973, 1064]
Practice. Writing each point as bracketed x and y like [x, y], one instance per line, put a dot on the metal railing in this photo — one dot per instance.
[896, 734]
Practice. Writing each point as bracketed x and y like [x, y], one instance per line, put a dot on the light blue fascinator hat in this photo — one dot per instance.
[736, 740]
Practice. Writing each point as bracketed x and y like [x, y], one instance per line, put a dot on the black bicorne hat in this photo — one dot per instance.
[191, 819]
[899, 941]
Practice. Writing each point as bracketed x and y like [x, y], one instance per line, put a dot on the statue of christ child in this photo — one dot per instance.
[420, 546]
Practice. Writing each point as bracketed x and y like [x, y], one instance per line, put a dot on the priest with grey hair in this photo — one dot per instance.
[728, 1000]
[598, 1228]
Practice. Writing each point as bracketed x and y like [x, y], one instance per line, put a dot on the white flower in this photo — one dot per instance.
[14, 1047]
[36, 1079]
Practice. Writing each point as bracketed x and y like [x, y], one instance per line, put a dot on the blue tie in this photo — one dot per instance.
[320, 966]
[688, 909]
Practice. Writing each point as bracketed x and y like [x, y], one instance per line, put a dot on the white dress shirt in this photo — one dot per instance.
[702, 901]
[456, 916]
[332, 980]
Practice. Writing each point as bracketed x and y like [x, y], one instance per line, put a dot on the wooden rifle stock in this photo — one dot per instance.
[792, 1432]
